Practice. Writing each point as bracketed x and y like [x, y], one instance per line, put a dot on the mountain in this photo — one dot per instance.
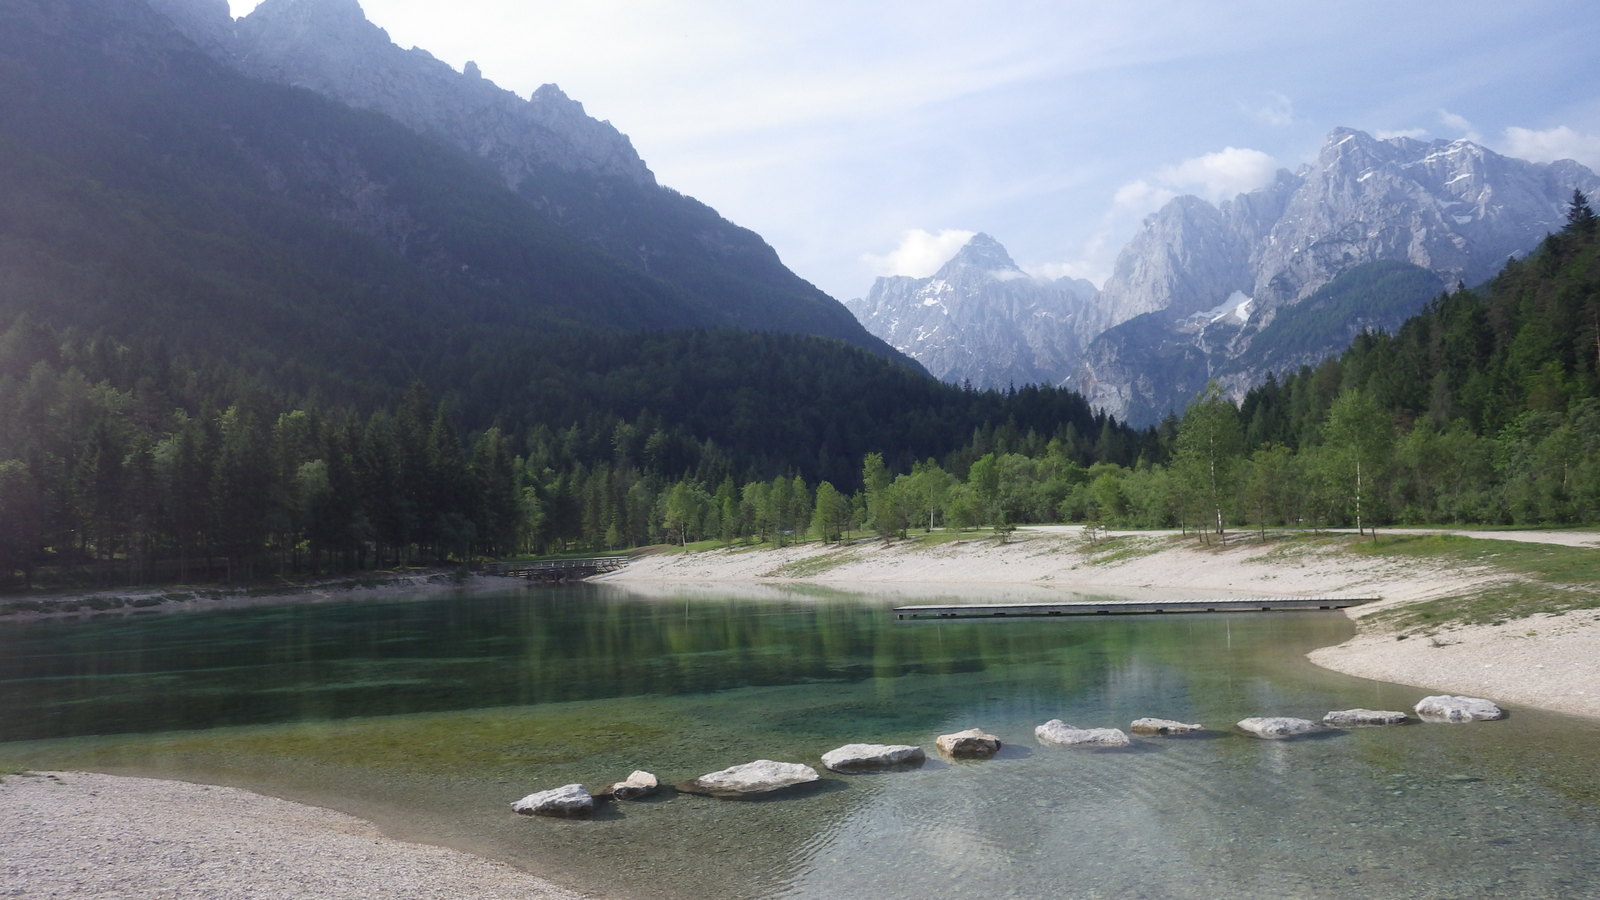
[982, 320]
[575, 173]
[1154, 363]
[1199, 291]
[1200, 285]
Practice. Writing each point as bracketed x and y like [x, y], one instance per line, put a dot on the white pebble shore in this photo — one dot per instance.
[69, 834]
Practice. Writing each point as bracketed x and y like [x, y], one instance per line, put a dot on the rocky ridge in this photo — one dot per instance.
[329, 47]
[580, 174]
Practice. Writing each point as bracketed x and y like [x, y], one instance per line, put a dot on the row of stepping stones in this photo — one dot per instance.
[765, 775]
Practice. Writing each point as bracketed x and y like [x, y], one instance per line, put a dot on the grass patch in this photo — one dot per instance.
[1285, 547]
[1550, 563]
[812, 566]
[1490, 606]
[1541, 579]
[1113, 550]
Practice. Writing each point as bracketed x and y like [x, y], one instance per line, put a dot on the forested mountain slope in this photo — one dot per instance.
[153, 192]
[247, 329]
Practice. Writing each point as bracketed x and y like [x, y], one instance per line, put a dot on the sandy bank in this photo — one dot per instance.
[1552, 662]
[82, 835]
[1047, 562]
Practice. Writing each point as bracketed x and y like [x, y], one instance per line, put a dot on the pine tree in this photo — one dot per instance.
[1580, 215]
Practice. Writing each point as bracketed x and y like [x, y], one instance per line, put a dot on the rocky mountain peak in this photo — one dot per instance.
[329, 47]
[982, 253]
[311, 27]
[981, 319]
[209, 23]
[341, 14]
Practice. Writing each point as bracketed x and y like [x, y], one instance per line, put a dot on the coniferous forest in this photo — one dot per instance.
[122, 461]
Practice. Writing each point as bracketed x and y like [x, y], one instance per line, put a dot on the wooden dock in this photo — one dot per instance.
[555, 571]
[1126, 607]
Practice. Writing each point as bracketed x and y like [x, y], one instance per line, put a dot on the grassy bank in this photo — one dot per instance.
[1541, 579]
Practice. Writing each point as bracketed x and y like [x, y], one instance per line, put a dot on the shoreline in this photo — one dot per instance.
[63, 605]
[70, 834]
[1551, 662]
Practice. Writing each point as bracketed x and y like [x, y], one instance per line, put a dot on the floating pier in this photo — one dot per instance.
[1126, 607]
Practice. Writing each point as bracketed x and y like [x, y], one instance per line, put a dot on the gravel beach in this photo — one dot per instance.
[77, 835]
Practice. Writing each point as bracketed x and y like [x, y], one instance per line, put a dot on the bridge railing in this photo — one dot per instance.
[550, 566]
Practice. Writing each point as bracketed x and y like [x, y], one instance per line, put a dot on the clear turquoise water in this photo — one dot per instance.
[431, 716]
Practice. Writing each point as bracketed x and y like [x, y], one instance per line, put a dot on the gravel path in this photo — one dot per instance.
[100, 836]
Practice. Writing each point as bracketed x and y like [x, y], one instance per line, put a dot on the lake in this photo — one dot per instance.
[430, 716]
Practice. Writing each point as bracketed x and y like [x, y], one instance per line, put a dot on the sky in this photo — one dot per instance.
[866, 138]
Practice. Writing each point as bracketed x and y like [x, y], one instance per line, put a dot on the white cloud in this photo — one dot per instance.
[1221, 175]
[1461, 125]
[920, 252]
[1415, 133]
[1140, 197]
[1212, 176]
[1552, 144]
[1094, 271]
[1097, 258]
[1276, 110]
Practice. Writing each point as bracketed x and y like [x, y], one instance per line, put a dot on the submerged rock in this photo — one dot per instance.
[974, 743]
[1163, 726]
[1447, 708]
[638, 785]
[759, 777]
[1274, 727]
[1056, 731]
[568, 801]
[873, 757]
[1351, 718]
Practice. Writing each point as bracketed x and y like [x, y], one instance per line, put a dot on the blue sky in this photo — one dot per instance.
[863, 139]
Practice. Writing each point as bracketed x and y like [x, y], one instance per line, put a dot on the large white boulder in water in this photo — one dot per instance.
[638, 785]
[759, 777]
[873, 757]
[974, 743]
[1275, 727]
[1447, 708]
[1056, 731]
[567, 801]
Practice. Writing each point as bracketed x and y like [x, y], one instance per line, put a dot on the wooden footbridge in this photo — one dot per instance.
[1112, 607]
[555, 571]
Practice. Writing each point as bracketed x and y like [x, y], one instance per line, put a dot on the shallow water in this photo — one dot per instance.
[431, 716]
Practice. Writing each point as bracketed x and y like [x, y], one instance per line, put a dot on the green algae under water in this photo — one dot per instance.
[430, 716]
